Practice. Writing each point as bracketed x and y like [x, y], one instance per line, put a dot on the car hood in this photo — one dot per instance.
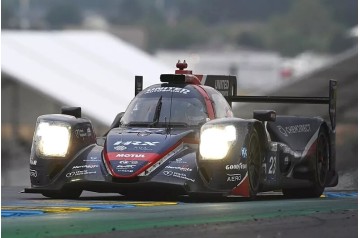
[130, 152]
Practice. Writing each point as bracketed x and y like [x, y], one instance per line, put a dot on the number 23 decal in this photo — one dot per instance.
[272, 168]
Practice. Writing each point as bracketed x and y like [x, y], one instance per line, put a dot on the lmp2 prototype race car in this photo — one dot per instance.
[180, 137]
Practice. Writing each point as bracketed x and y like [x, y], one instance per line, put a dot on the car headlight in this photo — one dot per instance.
[52, 139]
[216, 141]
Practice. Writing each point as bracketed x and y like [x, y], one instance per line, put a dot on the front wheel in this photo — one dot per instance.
[254, 163]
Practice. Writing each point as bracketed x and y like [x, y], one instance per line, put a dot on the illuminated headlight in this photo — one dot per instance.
[52, 139]
[216, 141]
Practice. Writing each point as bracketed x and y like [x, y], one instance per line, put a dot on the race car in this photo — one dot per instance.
[180, 137]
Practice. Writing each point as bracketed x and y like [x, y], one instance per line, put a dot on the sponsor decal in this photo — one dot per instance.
[88, 131]
[137, 143]
[244, 153]
[233, 178]
[80, 133]
[177, 175]
[130, 156]
[142, 148]
[295, 129]
[144, 133]
[33, 161]
[236, 166]
[33, 173]
[126, 166]
[179, 161]
[168, 173]
[183, 169]
[125, 170]
[120, 147]
[86, 166]
[128, 162]
[222, 86]
[168, 89]
[79, 172]
[273, 147]
[282, 130]
[92, 159]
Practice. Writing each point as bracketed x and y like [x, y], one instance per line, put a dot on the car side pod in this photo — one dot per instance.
[264, 115]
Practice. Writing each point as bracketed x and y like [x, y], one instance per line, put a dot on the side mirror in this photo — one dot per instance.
[100, 141]
[72, 111]
[116, 122]
[265, 115]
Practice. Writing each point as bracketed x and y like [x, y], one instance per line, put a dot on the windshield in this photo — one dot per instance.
[160, 109]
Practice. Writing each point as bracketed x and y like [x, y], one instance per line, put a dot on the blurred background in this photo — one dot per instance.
[87, 52]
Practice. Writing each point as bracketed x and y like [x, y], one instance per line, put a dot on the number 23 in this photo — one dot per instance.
[272, 168]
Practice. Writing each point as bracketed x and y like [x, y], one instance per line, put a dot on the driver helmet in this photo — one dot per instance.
[195, 113]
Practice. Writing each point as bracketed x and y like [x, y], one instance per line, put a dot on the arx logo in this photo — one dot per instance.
[153, 143]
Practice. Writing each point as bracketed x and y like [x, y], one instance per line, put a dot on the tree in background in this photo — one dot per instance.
[287, 26]
[63, 14]
[307, 26]
[8, 14]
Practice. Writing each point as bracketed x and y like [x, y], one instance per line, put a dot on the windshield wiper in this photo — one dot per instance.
[156, 117]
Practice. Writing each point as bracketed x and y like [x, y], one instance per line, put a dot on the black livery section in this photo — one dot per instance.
[179, 137]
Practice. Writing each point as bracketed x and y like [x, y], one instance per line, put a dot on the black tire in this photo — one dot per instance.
[63, 194]
[320, 171]
[254, 156]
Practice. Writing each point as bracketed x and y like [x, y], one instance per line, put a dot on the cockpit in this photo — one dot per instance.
[160, 106]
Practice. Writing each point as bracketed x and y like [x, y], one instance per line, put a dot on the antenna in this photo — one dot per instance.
[168, 128]
[138, 84]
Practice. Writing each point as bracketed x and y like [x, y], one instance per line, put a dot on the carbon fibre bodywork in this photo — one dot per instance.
[160, 155]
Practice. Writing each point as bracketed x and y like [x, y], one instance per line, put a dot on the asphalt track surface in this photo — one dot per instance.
[110, 215]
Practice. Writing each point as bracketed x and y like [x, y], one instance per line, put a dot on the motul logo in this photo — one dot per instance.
[153, 143]
[130, 155]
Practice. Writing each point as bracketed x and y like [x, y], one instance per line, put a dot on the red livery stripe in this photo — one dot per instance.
[242, 189]
[132, 156]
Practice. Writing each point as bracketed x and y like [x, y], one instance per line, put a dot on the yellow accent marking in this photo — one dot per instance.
[135, 203]
[48, 209]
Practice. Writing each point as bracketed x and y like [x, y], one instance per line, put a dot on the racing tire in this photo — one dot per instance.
[63, 194]
[254, 155]
[320, 172]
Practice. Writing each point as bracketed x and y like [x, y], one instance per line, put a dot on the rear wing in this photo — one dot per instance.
[330, 100]
[225, 84]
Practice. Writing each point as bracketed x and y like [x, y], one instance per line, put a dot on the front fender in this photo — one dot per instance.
[231, 171]
[44, 168]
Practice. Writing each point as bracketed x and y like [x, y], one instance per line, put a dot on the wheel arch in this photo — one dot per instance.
[332, 176]
[260, 128]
